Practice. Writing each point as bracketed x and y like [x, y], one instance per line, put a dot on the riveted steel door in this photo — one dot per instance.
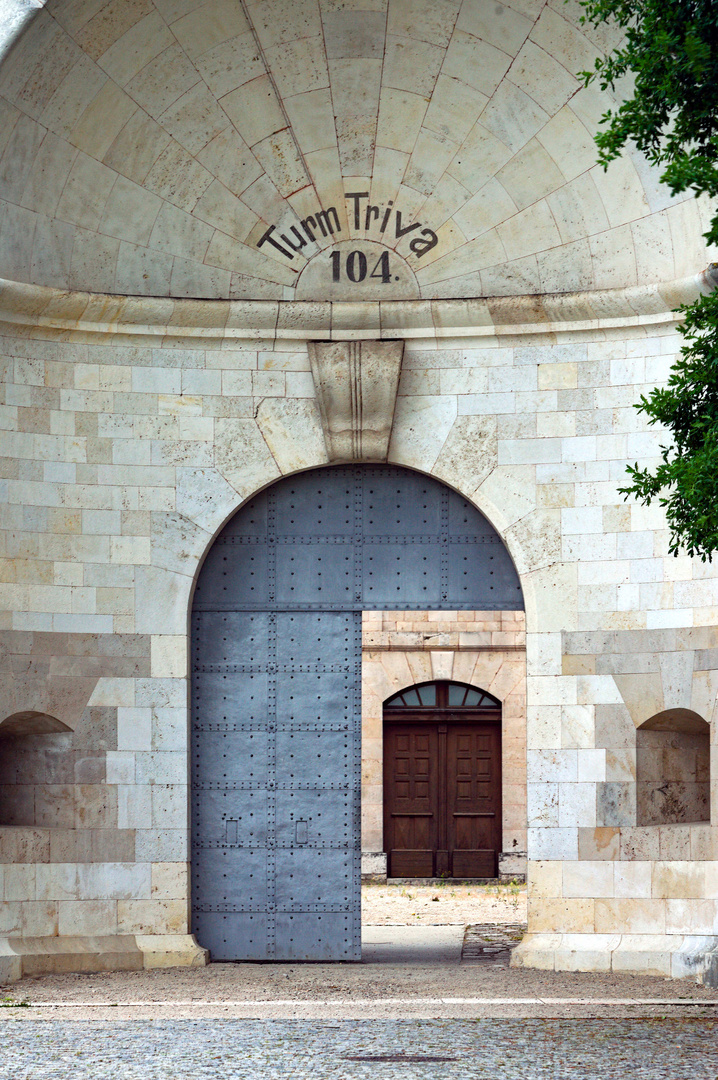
[275, 805]
[276, 692]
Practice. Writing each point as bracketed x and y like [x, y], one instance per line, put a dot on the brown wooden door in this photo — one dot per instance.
[411, 776]
[442, 796]
[473, 780]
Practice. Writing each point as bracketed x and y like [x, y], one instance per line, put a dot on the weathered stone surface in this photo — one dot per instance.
[356, 384]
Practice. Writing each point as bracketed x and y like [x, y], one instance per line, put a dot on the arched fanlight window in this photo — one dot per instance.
[442, 695]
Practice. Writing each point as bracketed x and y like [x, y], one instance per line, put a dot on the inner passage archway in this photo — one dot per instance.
[276, 692]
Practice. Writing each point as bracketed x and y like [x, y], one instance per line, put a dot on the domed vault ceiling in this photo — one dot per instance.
[319, 149]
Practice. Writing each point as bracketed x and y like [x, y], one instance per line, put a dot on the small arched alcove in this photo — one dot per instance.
[673, 769]
[36, 764]
[442, 781]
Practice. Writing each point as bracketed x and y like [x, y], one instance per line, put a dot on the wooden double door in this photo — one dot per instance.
[442, 795]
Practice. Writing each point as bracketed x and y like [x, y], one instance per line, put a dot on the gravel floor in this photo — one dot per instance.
[512, 1049]
[442, 903]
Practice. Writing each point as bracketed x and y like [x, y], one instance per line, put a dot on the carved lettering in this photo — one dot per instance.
[324, 218]
[267, 237]
[420, 247]
[326, 223]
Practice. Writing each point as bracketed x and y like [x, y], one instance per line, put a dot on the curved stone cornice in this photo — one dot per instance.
[35, 310]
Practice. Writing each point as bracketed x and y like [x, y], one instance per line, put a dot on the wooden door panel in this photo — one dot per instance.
[403, 863]
[410, 798]
[473, 771]
[471, 864]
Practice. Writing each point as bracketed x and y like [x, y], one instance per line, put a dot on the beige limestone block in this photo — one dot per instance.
[161, 600]
[562, 376]
[411, 65]
[508, 494]
[533, 161]
[704, 692]
[421, 426]
[602, 842]
[208, 26]
[631, 916]
[475, 62]
[491, 205]
[531, 230]
[356, 385]
[562, 916]
[442, 665]
[177, 543]
[586, 952]
[423, 19]
[205, 497]
[136, 48]
[152, 916]
[577, 726]
[577, 209]
[168, 656]
[469, 454]
[691, 916]
[395, 673]
[642, 694]
[563, 41]
[535, 540]
[83, 918]
[243, 457]
[711, 880]
[544, 879]
[647, 954]
[171, 950]
[454, 109]
[536, 951]
[543, 78]
[588, 879]
[401, 114]
[292, 431]
[633, 879]
[420, 666]
[678, 880]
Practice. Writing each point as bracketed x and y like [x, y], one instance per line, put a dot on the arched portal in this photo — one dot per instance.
[442, 781]
[276, 667]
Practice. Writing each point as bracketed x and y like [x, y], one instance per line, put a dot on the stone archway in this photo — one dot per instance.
[276, 633]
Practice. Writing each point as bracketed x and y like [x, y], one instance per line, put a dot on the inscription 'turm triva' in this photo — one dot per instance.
[326, 223]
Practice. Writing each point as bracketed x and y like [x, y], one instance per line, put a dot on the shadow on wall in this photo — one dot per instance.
[37, 770]
[673, 769]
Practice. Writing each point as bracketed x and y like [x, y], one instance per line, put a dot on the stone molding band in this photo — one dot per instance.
[25, 309]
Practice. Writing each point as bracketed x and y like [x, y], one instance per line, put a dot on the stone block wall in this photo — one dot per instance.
[126, 448]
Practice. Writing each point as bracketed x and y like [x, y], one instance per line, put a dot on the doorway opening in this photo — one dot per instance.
[277, 692]
[442, 782]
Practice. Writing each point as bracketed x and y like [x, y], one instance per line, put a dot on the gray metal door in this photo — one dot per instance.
[276, 692]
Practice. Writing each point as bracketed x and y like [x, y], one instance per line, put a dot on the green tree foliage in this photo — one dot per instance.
[670, 49]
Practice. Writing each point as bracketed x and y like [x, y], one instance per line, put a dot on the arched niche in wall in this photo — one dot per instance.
[36, 764]
[673, 769]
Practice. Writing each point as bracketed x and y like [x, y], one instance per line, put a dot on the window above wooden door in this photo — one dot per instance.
[442, 695]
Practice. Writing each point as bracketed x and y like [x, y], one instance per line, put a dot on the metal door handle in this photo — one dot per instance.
[458, 813]
[301, 831]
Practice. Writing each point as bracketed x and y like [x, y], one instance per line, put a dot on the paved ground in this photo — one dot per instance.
[429, 1001]
[350, 1050]
[407, 971]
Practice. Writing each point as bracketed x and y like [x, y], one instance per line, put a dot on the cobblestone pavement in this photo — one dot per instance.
[491, 943]
[384, 1050]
